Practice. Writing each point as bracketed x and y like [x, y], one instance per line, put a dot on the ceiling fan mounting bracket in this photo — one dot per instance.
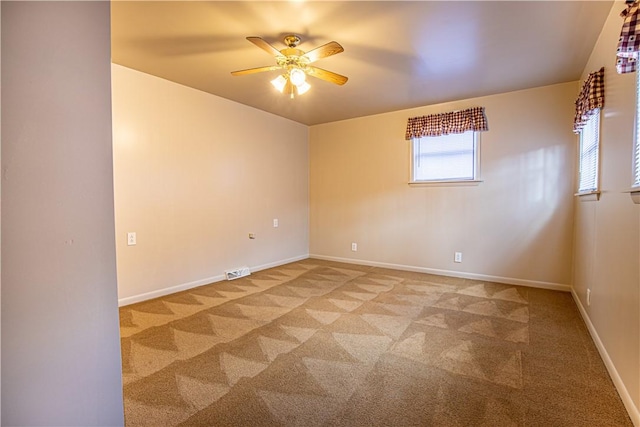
[292, 40]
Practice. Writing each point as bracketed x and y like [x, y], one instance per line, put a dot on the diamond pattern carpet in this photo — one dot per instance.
[317, 343]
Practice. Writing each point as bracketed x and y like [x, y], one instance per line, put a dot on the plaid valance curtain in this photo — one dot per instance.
[590, 98]
[629, 42]
[446, 123]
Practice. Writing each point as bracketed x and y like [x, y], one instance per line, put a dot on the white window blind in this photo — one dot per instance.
[589, 148]
[450, 157]
[636, 146]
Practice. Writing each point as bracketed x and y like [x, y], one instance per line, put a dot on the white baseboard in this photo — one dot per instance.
[185, 286]
[464, 275]
[190, 285]
[170, 290]
[279, 263]
[632, 410]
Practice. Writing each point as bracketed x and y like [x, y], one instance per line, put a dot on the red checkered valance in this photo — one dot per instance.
[590, 98]
[629, 42]
[446, 123]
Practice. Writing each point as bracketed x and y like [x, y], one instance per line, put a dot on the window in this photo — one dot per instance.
[635, 186]
[589, 148]
[636, 146]
[445, 158]
[586, 124]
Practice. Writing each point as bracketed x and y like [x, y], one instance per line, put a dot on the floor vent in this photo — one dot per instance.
[237, 273]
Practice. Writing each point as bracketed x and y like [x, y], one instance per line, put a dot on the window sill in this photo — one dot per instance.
[588, 196]
[466, 183]
[634, 192]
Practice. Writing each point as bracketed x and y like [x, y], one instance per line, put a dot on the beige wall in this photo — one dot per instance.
[607, 233]
[515, 226]
[60, 338]
[194, 175]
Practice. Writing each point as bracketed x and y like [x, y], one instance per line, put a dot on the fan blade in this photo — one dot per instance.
[264, 46]
[323, 51]
[255, 70]
[329, 76]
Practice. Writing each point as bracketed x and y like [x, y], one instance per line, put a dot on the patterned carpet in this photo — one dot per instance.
[321, 343]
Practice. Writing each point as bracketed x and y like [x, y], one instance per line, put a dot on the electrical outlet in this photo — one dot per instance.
[588, 296]
[457, 257]
[252, 236]
[354, 247]
[131, 239]
[275, 223]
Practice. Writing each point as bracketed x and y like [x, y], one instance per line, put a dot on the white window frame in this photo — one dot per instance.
[589, 192]
[474, 180]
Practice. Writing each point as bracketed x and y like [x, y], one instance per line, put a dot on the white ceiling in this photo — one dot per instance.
[397, 54]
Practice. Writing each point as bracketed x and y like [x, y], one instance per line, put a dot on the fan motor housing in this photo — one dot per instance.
[292, 58]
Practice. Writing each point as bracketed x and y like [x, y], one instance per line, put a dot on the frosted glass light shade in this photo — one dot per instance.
[303, 88]
[297, 76]
[279, 83]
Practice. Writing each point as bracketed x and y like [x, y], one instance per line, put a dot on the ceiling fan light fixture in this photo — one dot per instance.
[297, 76]
[279, 83]
[295, 65]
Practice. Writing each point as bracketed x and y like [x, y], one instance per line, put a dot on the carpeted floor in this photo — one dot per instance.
[321, 343]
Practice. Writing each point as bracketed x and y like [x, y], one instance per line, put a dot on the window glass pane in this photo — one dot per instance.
[589, 146]
[447, 157]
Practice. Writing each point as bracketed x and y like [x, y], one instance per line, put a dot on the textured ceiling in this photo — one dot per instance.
[397, 54]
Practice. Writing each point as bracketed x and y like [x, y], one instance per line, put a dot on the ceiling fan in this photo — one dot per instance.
[296, 65]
